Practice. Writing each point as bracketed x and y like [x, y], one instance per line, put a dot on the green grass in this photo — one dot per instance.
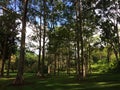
[93, 82]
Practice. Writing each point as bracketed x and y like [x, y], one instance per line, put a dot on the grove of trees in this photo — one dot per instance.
[70, 37]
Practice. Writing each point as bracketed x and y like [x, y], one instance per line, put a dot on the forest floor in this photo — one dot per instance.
[93, 82]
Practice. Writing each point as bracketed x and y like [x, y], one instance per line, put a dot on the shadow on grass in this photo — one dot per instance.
[95, 82]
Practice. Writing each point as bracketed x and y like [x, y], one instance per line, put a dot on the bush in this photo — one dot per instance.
[115, 68]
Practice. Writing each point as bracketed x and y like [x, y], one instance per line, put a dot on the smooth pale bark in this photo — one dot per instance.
[39, 56]
[89, 59]
[78, 39]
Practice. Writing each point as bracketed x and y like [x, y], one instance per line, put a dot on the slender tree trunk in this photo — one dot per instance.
[44, 35]
[68, 62]
[39, 56]
[78, 39]
[115, 52]
[116, 26]
[81, 39]
[49, 65]
[108, 54]
[2, 68]
[8, 69]
[68, 70]
[89, 59]
[19, 77]
[58, 64]
[117, 31]
[55, 64]
[76, 58]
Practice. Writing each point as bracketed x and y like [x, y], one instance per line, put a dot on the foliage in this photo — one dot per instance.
[73, 35]
[8, 32]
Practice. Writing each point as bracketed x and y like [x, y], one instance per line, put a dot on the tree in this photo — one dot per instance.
[19, 77]
[44, 36]
[79, 35]
[110, 33]
[7, 37]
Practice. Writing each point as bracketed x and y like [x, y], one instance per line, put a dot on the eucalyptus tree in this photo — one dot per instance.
[79, 35]
[44, 36]
[8, 33]
[54, 14]
[58, 46]
[19, 77]
[85, 28]
[108, 13]
[36, 19]
[60, 12]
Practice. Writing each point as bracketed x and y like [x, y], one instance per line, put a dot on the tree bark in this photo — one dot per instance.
[116, 26]
[78, 39]
[8, 68]
[108, 54]
[55, 64]
[81, 40]
[2, 68]
[19, 78]
[39, 56]
[44, 35]
[3, 57]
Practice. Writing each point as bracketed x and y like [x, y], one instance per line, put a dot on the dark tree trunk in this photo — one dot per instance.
[3, 57]
[44, 35]
[81, 39]
[115, 52]
[2, 68]
[78, 39]
[8, 69]
[58, 64]
[68, 63]
[55, 64]
[19, 77]
[108, 54]
[69, 54]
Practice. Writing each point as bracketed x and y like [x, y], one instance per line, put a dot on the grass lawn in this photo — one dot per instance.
[94, 82]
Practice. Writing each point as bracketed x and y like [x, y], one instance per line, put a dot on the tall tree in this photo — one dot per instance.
[44, 37]
[108, 15]
[19, 77]
[7, 36]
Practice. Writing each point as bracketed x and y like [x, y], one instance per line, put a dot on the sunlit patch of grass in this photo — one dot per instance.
[94, 82]
[108, 84]
[4, 79]
[73, 84]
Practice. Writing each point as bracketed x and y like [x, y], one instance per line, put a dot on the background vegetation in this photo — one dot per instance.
[73, 44]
